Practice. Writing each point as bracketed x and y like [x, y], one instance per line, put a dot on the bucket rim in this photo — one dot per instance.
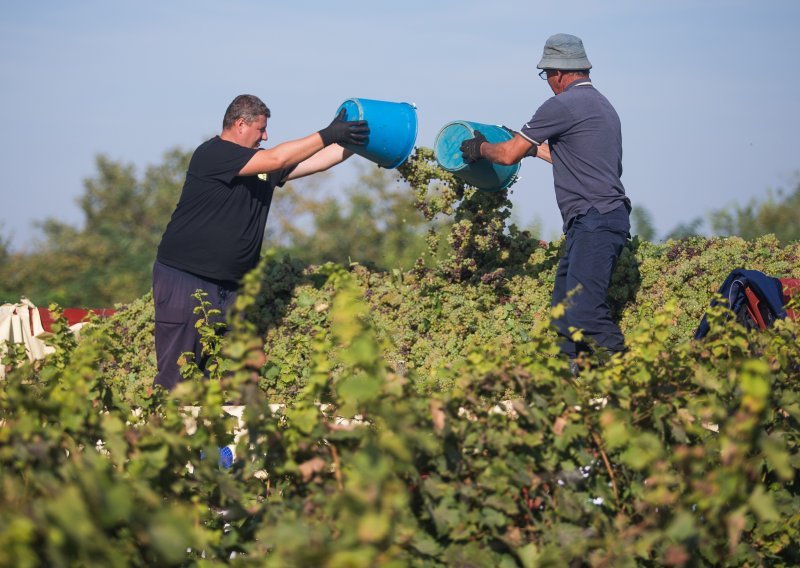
[466, 124]
[511, 179]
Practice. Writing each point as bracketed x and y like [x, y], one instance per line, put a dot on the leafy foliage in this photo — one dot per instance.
[515, 464]
[425, 419]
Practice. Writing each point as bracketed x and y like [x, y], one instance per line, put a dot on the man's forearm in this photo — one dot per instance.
[321, 161]
[543, 152]
[283, 155]
[494, 153]
[506, 153]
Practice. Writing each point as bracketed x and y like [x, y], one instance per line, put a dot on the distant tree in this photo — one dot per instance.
[5, 244]
[374, 222]
[534, 226]
[777, 213]
[686, 229]
[642, 224]
[109, 259]
[5, 260]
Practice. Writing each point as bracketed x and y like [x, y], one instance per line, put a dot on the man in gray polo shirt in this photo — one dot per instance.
[579, 133]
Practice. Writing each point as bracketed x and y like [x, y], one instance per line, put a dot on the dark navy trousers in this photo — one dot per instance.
[594, 242]
[175, 331]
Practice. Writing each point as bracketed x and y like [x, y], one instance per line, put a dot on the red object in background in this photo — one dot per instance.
[72, 315]
[791, 286]
[753, 309]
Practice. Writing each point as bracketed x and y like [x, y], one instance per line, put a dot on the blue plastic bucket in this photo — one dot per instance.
[482, 174]
[392, 130]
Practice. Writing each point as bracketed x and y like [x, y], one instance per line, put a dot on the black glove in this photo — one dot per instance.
[341, 131]
[471, 149]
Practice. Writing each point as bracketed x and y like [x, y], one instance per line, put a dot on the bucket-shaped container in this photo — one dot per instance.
[392, 129]
[482, 174]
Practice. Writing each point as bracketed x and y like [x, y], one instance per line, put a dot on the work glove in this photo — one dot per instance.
[471, 149]
[341, 131]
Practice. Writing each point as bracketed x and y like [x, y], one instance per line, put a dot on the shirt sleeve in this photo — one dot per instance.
[550, 120]
[283, 174]
[222, 161]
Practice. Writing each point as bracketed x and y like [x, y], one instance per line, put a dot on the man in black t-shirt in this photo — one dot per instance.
[214, 236]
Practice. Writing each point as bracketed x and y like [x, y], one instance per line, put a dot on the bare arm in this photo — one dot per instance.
[514, 150]
[543, 152]
[283, 155]
[507, 153]
[321, 161]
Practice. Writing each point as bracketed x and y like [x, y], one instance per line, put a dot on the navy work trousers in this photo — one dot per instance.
[594, 242]
[175, 331]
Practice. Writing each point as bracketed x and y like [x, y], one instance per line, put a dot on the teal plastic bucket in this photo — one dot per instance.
[482, 174]
[392, 130]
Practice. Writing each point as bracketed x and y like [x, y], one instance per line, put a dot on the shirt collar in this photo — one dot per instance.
[577, 81]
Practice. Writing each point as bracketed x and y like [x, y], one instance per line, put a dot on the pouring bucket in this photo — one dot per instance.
[482, 174]
[392, 130]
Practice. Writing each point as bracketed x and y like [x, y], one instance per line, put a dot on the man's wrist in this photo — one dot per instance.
[324, 134]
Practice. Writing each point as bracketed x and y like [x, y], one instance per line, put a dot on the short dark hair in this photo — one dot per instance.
[248, 107]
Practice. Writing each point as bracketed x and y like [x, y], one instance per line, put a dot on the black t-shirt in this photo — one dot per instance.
[217, 227]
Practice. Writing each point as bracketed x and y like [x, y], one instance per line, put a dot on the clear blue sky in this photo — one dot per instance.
[707, 90]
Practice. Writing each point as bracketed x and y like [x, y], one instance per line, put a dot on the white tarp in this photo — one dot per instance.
[21, 323]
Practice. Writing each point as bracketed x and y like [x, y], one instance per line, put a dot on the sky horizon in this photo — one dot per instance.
[706, 91]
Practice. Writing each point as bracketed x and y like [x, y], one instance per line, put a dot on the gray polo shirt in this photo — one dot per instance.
[585, 138]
